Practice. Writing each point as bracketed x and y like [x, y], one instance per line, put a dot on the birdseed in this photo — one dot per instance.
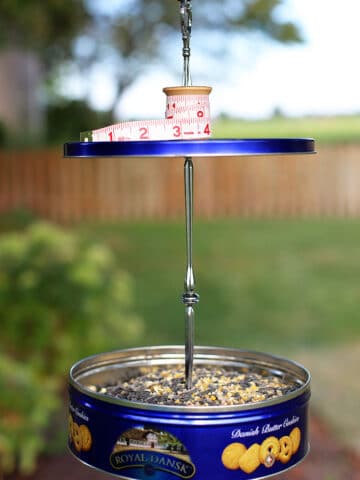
[212, 386]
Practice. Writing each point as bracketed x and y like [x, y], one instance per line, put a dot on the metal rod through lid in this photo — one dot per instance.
[189, 298]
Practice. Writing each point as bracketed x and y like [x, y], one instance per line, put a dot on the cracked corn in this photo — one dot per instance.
[212, 386]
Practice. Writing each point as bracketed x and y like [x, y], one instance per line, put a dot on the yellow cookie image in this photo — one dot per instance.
[77, 437]
[71, 424]
[285, 449]
[250, 461]
[231, 455]
[86, 439]
[295, 436]
[269, 451]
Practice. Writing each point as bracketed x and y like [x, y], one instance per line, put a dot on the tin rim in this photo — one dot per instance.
[175, 355]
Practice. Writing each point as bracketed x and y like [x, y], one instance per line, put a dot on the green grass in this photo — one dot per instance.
[323, 129]
[268, 285]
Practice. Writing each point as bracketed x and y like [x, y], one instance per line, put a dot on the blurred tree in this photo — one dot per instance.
[35, 37]
[45, 28]
[127, 34]
[65, 119]
[135, 32]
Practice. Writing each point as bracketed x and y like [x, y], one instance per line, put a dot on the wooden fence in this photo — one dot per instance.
[64, 189]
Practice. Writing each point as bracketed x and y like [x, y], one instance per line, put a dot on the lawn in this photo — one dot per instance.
[335, 129]
[287, 287]
[270, 285]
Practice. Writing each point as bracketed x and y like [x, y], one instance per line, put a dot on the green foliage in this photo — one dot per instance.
[46, 28]
[61, 298]
[260, 15]
[67, 119]
[3, 134]
[17, 219]
[27, 402]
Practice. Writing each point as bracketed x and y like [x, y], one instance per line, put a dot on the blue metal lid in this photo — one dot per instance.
[191, 148]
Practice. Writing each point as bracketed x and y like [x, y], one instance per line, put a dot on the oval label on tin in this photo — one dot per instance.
[151, 449]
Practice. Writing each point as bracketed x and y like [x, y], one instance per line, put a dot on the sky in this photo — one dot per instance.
[319, 77]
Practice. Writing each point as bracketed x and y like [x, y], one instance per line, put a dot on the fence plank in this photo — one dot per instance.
[69, 190]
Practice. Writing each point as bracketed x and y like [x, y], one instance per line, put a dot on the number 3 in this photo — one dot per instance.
[177, 131]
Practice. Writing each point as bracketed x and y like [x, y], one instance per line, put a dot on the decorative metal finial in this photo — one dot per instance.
[190, 297]
[186, 24]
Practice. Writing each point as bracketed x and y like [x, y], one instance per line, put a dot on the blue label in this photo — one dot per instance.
[136, 444]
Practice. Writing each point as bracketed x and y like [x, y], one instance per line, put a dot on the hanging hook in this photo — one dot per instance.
[186, 25]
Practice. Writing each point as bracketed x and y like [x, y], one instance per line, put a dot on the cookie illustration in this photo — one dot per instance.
[231, 455]
[295, 436]
[86, 440]
[77, 437]
[285, 449]
[269, 451]
[250, 461]
[71, 426]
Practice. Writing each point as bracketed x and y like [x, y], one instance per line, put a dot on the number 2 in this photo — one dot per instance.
[144, 133]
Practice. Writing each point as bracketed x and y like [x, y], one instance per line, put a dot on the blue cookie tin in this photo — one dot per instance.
[136, 441]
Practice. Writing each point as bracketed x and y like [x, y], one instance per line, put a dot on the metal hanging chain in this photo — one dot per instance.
[186, 24]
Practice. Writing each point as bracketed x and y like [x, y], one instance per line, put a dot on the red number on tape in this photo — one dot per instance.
[144, 133]
[177, 131]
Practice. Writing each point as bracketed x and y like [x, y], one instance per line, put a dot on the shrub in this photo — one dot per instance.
[61, 298]
[16, 220]
[3, 134]
[27, 401]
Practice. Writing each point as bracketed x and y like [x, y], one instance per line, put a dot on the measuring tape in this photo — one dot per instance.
[187, 116]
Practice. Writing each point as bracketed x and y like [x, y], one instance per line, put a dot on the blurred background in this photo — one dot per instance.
[92, 251]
